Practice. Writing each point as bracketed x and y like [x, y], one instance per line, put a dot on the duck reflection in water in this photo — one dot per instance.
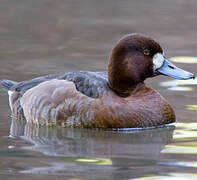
[84, 149]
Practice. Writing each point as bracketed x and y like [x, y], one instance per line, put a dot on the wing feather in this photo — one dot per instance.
[92, 84]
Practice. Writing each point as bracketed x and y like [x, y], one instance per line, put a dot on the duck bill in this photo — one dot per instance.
[169, 69]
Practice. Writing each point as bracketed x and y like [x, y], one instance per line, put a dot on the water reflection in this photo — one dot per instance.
[171, 176]
[184, 59]
[192, 107]
[184, 137]
[2, 90]
[184, 143]
[179, 85]
[93, 151]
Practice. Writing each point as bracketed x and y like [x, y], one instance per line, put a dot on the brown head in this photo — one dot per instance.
[137, 57]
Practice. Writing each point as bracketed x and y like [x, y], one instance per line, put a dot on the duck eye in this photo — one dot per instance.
[146, 52]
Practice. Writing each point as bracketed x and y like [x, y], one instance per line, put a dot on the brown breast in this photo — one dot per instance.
[144, 108]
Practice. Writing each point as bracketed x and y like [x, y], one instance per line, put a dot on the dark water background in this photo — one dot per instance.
[42, 37]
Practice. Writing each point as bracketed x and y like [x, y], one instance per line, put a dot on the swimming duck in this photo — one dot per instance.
[117, 98]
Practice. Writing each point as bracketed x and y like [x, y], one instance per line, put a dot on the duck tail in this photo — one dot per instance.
[7, 84]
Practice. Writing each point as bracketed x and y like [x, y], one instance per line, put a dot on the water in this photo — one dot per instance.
[42, 37]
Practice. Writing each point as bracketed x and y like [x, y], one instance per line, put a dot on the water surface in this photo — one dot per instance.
[42, 37]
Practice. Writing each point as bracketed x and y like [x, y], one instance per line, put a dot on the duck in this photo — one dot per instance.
[117, 98]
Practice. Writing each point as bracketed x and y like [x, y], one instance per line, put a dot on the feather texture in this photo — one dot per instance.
[92, 84]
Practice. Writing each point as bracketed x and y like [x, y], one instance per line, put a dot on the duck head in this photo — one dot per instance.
[137, 57]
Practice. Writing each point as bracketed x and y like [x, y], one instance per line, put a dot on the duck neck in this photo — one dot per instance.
[124, 90]
[123, 85]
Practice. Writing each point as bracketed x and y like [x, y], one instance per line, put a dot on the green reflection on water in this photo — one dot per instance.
[179, 85]
[186, 175]
[188, 126]
[178, 149]
[2, 90]
[179, 88]
[171, 176]
[179, 82]
[185, 136]
[97, 161]
[184, 59]
[9, 176]
[14, 153]
[192, 107]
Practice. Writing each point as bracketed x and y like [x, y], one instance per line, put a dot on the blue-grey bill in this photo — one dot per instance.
[169, 69]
